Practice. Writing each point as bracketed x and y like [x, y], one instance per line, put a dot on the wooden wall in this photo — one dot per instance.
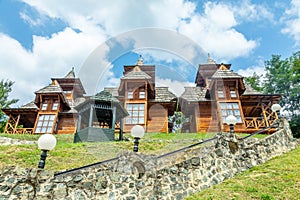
[157, 119]
[66, 125]
[203, 117]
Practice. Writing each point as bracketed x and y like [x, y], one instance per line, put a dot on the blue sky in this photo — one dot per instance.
[44, 39]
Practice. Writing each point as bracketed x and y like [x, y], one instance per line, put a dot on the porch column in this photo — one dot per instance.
[113, 118]
[121, 129]
[91, 116]
[79, 122]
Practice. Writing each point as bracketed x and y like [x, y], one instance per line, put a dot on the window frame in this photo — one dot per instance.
[130, 94]
[55, 105]
[230, 108]
[136, 113]
[45, 123]
[44, 106]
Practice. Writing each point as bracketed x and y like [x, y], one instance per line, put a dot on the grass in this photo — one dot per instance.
[68, 155]
[278, 178]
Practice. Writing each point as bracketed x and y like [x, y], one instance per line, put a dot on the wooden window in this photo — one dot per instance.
[54, 105]
[68, 91]
[130, 95]
[45, 124]
[220, 94]
[228, 108]
[136, 113]
[233, 94]
[142, 94]
[44, 106]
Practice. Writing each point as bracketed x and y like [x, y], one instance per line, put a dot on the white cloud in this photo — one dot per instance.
[292, 21]
[50, 57]
[247, 11]
[259, 70]
[214, 31]
[176, 87]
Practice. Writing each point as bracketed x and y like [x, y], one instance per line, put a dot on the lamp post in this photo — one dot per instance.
[276, 108]
[231, 121]
[46, 143]
[137, 132]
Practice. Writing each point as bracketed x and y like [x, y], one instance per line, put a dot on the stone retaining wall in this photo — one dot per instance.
[137, 176]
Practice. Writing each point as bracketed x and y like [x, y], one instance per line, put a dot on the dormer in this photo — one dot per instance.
[71, 86]
[138, 81]
[206, 71]
[51, 98]
[225, 84]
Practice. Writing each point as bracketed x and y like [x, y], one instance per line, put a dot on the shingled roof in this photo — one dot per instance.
[162, 94]
[52, 88]
[224, 72]
[136, 73]
[104, 96]
[194, 94]
[250, 91]
[30, 105]
[112, 90]
[71, 74]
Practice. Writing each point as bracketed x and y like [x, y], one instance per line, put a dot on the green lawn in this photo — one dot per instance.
[67, 155]
[278, 178]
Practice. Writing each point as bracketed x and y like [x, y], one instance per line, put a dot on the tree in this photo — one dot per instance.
[254, 81]
[283, 77]
[5, 89]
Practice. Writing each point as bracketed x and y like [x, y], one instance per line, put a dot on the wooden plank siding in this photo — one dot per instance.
[157, 119]
[66, 125]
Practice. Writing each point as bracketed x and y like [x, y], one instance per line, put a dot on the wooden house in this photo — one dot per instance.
[52, 111]
[220, 92]
[147, 105]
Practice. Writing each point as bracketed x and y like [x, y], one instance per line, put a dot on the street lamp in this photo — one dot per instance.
[137, 132]
[276, 108]
[46, 143]
[231, 121]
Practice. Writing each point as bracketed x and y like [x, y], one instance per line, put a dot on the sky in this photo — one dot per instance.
[40, 40]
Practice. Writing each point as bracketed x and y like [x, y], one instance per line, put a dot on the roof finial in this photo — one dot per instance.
[140, 61]
[210, 60]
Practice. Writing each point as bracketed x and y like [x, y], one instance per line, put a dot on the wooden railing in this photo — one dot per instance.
[255, 122]
[20, 131]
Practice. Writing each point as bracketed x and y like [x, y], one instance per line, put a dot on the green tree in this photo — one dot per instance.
[5, 89]
[283, 77]
[254, 81]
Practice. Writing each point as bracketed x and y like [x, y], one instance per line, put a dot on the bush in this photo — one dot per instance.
[295, 125]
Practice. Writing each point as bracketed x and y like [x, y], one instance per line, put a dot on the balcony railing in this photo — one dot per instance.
[20, 131]
[255, 122]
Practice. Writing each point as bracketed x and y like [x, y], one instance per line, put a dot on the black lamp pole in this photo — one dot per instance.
[231, 128]
[136, 144]
[43, 159]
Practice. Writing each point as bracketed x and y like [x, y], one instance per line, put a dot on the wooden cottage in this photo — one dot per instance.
[220, 92]
[147, 105]
[52, 111]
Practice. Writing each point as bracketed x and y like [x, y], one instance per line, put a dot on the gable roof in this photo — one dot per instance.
[136, 73]
[52, 88]
[223, 72]
[162, 94]
[194, 94]
[250, 91]
[71, 74]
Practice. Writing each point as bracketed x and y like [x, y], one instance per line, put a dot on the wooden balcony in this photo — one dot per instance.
[257, 122]
[20, 131]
